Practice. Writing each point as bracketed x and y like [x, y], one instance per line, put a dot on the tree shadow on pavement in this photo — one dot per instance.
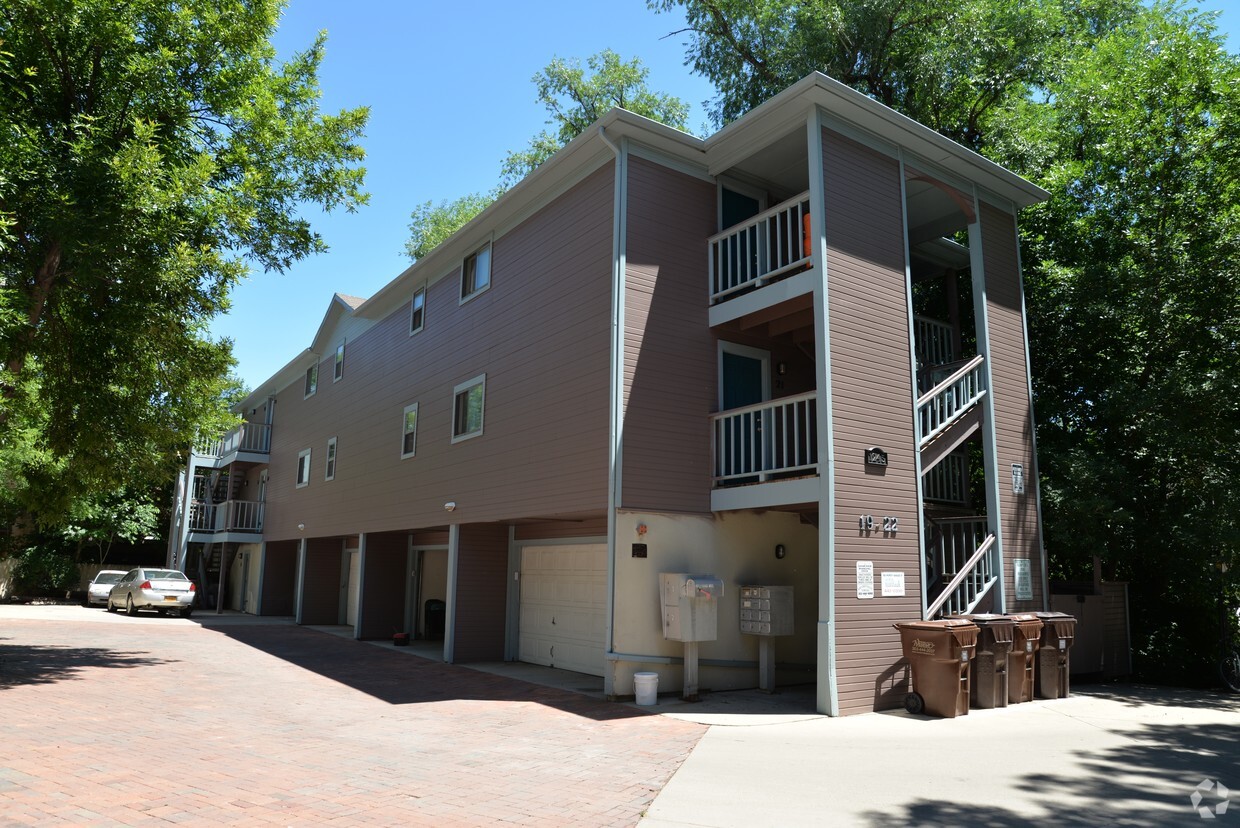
[1144, 695]
[22, 664]
[404, 678]
[1147, 780]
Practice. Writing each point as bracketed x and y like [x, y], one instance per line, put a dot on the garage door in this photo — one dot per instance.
[563, 606]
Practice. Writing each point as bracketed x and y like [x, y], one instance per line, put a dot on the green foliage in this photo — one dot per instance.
[101, 521]
[574, 100]
[152, 153]
[44, 570]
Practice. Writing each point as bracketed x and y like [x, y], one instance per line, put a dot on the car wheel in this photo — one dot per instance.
[130, 609]
[109, 606]
[187, 612]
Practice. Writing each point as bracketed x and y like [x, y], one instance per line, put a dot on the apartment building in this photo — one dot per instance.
[793, 353]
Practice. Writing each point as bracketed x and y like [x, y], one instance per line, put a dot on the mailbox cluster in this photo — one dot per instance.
[766, 610]
[690, 606]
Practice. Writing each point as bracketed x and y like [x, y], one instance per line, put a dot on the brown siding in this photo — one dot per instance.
[872, 404]
[382, 599]
[1013, 408]
[540, 334]
[279, 578]
[669, 351]
[321, 596]
[1117, 649]
[438, 537]
[587, 528]
[481, 593]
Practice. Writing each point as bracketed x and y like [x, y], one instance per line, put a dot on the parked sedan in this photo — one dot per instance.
[162, 590]
[97, 591]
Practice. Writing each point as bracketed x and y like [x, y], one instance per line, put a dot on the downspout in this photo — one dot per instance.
[615, 424]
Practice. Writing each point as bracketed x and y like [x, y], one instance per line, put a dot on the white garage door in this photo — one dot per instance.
[563, 606]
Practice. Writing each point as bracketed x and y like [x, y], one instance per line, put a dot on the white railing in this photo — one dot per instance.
[936, 341]
[773, 437]
[751, 254]
[245, 437]
[939, 407]
[947, 482]
[229, 516]
[961, 550]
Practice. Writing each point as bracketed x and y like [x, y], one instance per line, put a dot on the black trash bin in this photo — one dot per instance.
[990, 664]
[433, 619]
[1058, 631]
[939, 653]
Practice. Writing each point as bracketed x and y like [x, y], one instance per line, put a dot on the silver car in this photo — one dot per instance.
[162, 590]
[97, 591]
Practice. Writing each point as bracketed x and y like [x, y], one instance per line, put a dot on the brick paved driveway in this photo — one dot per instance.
[146, 721]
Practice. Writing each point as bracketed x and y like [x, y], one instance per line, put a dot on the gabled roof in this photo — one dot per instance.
[340, 306]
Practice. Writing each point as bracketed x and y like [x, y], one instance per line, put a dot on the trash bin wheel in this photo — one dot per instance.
[914, 703]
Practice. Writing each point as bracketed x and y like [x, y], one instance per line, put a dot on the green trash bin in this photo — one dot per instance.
[1058, 631]
[989, 679]
[939, 654]
[1026, 639]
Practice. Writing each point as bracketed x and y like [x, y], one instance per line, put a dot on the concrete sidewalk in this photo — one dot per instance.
[1107, 755]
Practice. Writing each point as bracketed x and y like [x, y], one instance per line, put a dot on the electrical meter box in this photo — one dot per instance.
[766, 610]
[690, 606]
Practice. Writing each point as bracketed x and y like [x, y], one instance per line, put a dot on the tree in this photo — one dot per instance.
[1133, 276]
[152, 153]
[924, 58]
[574, 100]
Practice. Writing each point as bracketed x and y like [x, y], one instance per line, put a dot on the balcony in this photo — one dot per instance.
[773, 443]
[248, 441]
[231, 516]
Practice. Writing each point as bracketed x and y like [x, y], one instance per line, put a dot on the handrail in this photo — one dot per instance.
[760, 249]
[772, 437]
[948, 401]
[955, 377]
[965, 571]
[758, 219]
[749, 409]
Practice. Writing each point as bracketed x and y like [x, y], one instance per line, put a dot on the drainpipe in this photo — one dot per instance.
[615, 418]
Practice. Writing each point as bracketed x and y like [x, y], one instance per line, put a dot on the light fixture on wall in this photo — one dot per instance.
[780, 551]
[781, 368]
[450, 506]
[301, 527]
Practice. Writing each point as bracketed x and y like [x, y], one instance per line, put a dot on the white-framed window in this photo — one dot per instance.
[312, 380]
[338, 365]
[303, 468]
[468, 402]
[417, 311]
[476, 273]
[329, 465]
[409, 431]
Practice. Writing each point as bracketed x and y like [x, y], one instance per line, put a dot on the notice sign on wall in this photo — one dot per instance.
[1023, 574]
[893, 584]
[865, 579]
[1018, 478]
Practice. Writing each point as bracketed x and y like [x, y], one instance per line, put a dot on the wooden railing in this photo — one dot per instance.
[962, 552]
[936, 341]
[939, 407]
[948, 481]
[774, 437]
[229, 516]
[761, 249]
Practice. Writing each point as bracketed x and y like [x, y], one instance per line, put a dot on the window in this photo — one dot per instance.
[312, 380]
[467, 407]
[409, 435]
[303, 468]
[417, 311]
[330, 464]
[338, 367]
[476, 273]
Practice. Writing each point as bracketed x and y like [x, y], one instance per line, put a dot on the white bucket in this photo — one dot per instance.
[646, 686]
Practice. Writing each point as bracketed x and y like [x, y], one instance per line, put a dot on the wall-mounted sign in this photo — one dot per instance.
[1022, 573]
[875, 456]
[893, 584]
[1018, 478]
[865, 579]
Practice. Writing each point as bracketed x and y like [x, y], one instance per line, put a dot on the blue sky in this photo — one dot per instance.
[449, 92]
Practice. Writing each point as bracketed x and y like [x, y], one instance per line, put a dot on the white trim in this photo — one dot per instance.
[359, 586]
[338, 363]
[303, 483]
[680, 165]
[828, 700]
[329, 460]
[761, 354]
[765, 495]
[449, 621]
[404, 431]
[489, 248]
[308, 390]
[298, 602]
[481, 379]
[413, 300]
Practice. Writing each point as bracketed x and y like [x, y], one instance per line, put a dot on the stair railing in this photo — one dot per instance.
[946, 402]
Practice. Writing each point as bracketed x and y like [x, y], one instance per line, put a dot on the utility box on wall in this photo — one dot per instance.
[766, 610]
[690, 606]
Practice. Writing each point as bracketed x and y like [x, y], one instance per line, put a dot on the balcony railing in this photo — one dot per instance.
[936, 341]
[761, 249]
[947, 482]
[253, 437]
[939, 407]
[229, 516]
[962, 553]
[778, 437]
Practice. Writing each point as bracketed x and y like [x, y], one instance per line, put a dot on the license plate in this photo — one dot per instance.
[170, 597]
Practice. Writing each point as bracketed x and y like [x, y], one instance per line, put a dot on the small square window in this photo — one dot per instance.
[476, 273]
[338, 366]
[303, 468]
[312, 380]
[467, 406]
[329, 472]
[409, 433]
[417, 311]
